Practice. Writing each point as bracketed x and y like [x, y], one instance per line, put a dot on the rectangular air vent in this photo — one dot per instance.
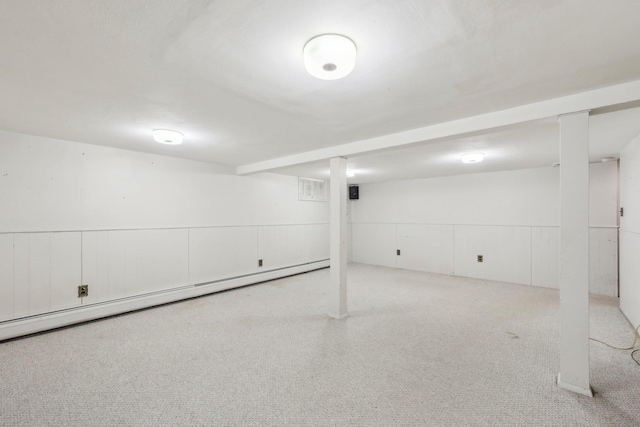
[311, 190]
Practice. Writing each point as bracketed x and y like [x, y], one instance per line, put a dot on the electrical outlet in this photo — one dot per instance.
[397, 251]
[259, 263]
[480, 258]
[83, 291]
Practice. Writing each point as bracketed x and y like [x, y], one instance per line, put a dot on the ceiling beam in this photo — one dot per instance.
[598, 98]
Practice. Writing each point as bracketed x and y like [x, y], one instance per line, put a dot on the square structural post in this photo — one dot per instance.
[574, 253]
[338, 238]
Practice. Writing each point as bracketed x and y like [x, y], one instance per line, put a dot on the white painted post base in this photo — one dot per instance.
[575, 389]
[338, 239]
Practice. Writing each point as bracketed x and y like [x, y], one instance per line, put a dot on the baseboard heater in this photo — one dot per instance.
[52, 320]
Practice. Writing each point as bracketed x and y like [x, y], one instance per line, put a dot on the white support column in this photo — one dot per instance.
[338, 238]
[574, 253]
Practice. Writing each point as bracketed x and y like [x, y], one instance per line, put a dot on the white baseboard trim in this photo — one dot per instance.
[575, 388]
[43, 322]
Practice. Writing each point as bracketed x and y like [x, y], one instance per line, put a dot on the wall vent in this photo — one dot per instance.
[312, 190]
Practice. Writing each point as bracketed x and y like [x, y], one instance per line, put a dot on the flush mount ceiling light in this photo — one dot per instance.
[351, 173]
[329, 56]
[166, 136]
[472, 157]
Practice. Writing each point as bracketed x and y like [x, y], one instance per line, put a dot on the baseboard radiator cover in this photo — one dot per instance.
[43, 322]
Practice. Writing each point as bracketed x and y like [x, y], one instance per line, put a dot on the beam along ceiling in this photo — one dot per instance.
[229, 73]
[528, 145]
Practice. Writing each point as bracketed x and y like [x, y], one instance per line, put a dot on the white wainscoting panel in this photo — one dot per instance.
[286, 245]
[20, 274]
[163, 259]
[629, 274]
[123, 263]
[425, 247]
[95, 266]
[6, 276]
[46, 272]
[280, 245]
[545, 257]
[374, 244]
[39, 269]
[65, 272]
[516, 254]
[506, 251]
[603, 261]
[217, 253]
[46, 321]
[109, 264]
[317, 242]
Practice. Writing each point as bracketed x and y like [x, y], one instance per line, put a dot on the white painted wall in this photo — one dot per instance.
[426, 247]
[630, 231]
[54, 185]
[374, 244]
[130, 224]
[506, 252]
[522, 197]
[511, 218]
[603, 194]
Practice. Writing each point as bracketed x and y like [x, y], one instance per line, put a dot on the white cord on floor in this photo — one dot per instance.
[633, 345]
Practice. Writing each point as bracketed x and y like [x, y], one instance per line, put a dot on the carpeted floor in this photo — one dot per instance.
[418, 349]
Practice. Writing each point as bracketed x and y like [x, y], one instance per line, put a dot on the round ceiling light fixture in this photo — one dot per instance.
[329, 56]
[472, 157]
[167, 136]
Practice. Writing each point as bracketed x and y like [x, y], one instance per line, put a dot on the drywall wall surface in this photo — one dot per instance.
[603, 194]
[521, 197]
[55, 185]
[630, 186]
[630, 231]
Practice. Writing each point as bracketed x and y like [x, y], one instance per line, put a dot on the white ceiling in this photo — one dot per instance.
[229, 75]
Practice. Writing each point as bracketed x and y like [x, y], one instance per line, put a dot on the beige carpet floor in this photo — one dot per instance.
[418, 349]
